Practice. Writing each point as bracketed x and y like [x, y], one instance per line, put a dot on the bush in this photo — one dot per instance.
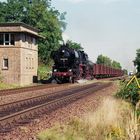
[129, 93]
[44, 72]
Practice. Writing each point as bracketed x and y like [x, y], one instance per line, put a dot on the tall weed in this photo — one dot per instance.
[129, 93]
[113, 120]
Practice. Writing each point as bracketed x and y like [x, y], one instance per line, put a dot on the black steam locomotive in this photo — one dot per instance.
[71, 65]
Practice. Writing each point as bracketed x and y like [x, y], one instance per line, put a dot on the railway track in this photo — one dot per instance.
[27, 89]
[24, 111]
[112, 78]
[40, 87]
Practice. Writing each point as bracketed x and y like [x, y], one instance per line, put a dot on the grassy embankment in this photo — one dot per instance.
[115, 119]
[6, 86]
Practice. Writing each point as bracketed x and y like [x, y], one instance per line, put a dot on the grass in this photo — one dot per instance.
[7, 86]
[113, 120]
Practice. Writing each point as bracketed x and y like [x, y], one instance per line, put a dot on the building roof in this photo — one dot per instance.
[19, 27]
[19, 24]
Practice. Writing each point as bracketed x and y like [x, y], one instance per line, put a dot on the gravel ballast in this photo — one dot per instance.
[61, 115]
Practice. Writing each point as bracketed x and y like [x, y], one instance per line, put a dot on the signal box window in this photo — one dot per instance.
[5, 63]
[7, 39]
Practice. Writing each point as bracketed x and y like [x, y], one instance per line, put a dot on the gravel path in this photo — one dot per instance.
[62, 115]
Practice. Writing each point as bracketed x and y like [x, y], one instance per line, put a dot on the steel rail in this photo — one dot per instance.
[12, 107]
[7, 122]
[5, 92]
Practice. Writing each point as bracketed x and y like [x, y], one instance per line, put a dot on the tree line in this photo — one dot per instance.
[108, 62]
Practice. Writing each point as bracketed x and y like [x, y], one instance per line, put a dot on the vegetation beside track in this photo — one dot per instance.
[129, 93]
[113, 120]
[7, 86]
[44, 72]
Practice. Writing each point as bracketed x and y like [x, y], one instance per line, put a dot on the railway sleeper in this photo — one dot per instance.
[49, 107]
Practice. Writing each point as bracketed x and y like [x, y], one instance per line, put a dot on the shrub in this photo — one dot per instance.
[129, 93]
[44, 72]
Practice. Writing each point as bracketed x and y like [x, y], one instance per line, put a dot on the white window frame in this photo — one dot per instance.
[9, 42]
[5, 67]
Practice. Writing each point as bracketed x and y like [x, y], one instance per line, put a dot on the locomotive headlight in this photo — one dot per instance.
[55, 70]
[70, 70]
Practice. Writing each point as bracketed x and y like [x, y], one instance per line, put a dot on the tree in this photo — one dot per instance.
[74, 45]
[108, 62]
[2, 12]
[39, 14]
[116, 65]
[103, 60]
[137, 60]
[100, 59]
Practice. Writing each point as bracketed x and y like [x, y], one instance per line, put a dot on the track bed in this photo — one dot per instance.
[24, 111]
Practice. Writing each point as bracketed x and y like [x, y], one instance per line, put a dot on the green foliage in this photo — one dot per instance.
[74, 45]
[137, 60]
[129, 93]
[116, 64]
[103, 60]
[38, 14]
[108, 62]
[8, 86]
[44, 72]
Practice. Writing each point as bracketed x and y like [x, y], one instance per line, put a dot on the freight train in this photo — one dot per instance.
[71, 65]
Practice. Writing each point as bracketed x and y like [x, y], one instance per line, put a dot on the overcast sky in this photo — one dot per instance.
[108, 27]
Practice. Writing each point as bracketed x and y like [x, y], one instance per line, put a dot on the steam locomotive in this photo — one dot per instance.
[71, 65]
